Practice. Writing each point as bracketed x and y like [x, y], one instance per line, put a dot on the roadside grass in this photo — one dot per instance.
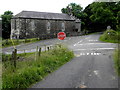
[0, 70]
[0, 42]
[117, 60]
[8, 42]
[29, 70]
[0, 75]
[110, 36]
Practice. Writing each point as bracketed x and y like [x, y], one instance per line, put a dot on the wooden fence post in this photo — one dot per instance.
[48, 48]
[39, 51]
[14, 57]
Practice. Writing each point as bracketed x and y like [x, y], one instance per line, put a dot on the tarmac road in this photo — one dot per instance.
[92, 66]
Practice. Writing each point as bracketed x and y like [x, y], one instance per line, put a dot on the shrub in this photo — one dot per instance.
[110, 36]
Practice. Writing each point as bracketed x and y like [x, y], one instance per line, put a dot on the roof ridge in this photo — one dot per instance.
[43, 15]
[43, 12]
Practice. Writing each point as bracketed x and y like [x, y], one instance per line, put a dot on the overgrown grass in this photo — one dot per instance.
[8, 42]
[0, 70]
[113, 37]
[117, 60]
[0, 42]
[110, 36]
[29, 70]
[0, 75]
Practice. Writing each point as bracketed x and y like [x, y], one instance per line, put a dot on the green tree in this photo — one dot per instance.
[118, 21]
[75, 10]
[101, 14]
[6, 24]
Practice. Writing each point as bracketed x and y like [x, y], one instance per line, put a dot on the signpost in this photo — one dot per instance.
[61, 35]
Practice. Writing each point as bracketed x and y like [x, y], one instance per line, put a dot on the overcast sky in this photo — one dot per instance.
[17, 6]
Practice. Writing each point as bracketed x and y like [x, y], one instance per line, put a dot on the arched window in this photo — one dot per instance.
[63, 26]
[48, 27]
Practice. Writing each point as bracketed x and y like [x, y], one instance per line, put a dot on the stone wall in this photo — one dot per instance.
[37, 28]
[0, 28]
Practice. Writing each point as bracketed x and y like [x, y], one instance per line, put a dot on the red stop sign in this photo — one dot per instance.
[61, 35]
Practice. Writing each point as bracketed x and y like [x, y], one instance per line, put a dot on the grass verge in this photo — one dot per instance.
[113, 37]
[117, 60]
[110, 36]
[29, 70]
[8, 42]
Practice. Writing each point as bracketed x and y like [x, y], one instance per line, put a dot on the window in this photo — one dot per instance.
[32, 25]
[63, 26]
[15, 25]
[48, 27]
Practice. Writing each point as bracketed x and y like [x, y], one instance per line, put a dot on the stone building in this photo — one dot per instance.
[31, 24]
[0, 27]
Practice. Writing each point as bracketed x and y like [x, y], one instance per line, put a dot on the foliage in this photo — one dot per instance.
[6, 24]
[117, 60]
[76, 10]
[118, 21]
[101, 14]
[111, 36]
[29, 70]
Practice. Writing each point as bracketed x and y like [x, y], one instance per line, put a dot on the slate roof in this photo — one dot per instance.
[43, 15]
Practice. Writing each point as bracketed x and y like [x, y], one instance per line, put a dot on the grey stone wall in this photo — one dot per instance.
[37, 28]
[0, 28]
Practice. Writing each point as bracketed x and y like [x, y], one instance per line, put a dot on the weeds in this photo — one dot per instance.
[113, 37]
[110, 36]
[117, 60]
[29, 70]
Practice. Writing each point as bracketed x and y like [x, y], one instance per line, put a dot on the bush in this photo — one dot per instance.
[110, 36]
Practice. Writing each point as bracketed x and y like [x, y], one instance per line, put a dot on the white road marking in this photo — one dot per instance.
[82, 54]
[92, 40]
[95, 53]
[92, 43]
[87, 53]
[91, 53]
[95, 49]
[98, 54]
[78, 42]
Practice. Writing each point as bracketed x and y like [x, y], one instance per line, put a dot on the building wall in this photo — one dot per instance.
[0, 28]
[37, 28]
[78, 26]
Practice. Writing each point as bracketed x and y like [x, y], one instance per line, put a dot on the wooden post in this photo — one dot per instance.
[39, 51]
[14, 57]
[48, 48]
